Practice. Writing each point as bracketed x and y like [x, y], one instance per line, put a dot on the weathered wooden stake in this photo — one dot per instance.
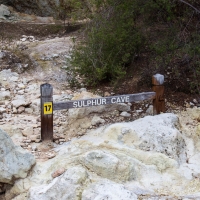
[158, 87]
[46, 91]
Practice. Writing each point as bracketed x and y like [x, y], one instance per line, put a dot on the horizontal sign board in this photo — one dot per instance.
[103, 101]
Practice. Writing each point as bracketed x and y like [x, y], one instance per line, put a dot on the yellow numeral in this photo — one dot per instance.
[48, 108]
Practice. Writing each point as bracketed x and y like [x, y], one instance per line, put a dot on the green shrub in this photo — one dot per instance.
[111, 43]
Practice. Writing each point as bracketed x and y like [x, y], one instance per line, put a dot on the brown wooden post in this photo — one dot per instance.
[158, 87]
[46, 91]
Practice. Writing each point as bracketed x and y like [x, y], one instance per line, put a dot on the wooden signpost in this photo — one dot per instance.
[158, 88]
[47, 105]
[46, 91]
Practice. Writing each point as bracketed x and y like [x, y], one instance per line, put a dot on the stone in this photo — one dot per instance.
[149, 110]
[97, 120]
[12, 130]
[149, 158]
[4, 12]
[125, 114]
[34, 138]
[108, 165]
[21, 86]
[28, 110]
[2, 54]
[21, 109]
[14, 111]
[107, 94]
[64, 187]
[14, 161]
[2, 110]
[19, 102]
[5, 95]
[108, 190]
[58, 172]
[27, 131]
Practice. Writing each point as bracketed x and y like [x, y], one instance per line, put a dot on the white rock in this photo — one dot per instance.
[97, 120]
[108, 190]
[149, 110]
[4, 12]
[108, 165]
[27, 131]
[2, 110]
[21, 86]
[125, 114]
[23, 39]
[5, 95]
[64, 187]
[14, 161]
[19, 102]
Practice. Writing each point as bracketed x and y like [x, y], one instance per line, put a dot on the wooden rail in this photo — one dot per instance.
[104, 101]
[48, 106]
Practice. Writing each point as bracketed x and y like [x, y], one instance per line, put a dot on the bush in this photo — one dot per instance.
[162, 33]
[112, 41]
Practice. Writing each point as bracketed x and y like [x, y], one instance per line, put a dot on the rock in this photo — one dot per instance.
[21, 86]
[149, 110]
[108, 190]
[58, 172]
[4, 12]
[155, 137]
[28, 110]
[51, 155]
[151, 157]
[108, 165]
[195, 101]
[27, 131]
[34, 138]
[2, 55]
[14, 111]
[14, 161]
[7, 78]
[107, 94]
[4, 95]
[2, 110]
[12, 130]
[55, 55]
[21, 109]
[19, 102]
[97, 120]
[125, 114]
[64, 187]
[23, 39]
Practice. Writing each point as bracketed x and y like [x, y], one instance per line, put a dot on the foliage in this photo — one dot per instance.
[111, 43]
[162, 33]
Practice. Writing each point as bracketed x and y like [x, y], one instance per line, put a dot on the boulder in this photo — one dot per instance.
[108, 165]
[15, 162]
[151, 133]
[65, 187]
[149, 158]
[4, 12]
[108, 190]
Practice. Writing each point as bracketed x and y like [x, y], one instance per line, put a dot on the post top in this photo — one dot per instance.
[46, 89]
[158, 79]
[47, 85]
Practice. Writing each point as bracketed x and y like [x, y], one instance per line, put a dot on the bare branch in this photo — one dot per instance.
[197, 10]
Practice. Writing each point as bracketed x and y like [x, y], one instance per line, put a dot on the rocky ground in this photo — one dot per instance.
[141, 159]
